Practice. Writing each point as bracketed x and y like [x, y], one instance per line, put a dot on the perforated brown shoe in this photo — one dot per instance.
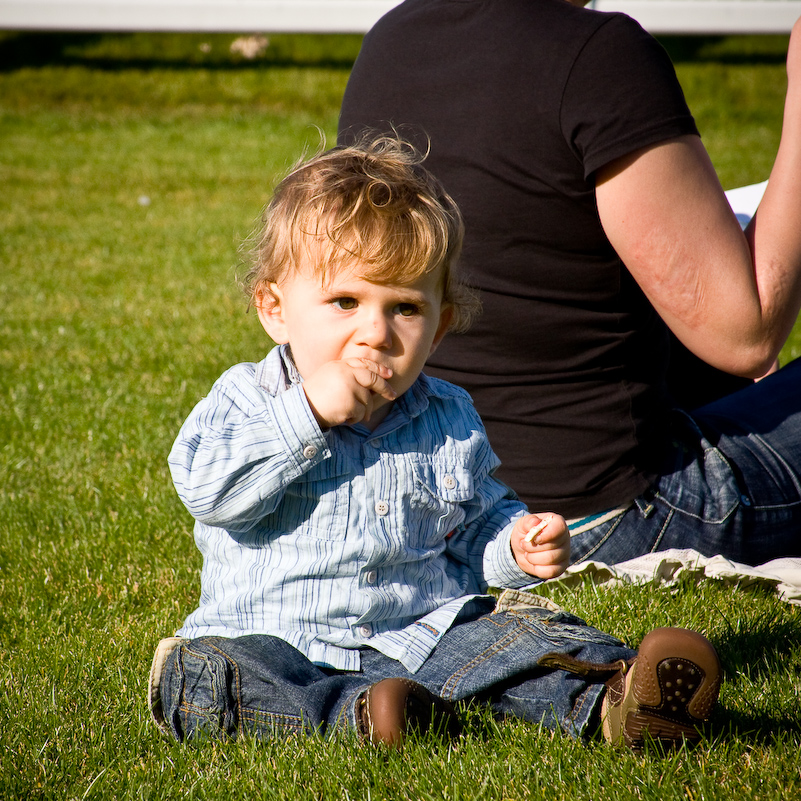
[393, 708]
[665, 693]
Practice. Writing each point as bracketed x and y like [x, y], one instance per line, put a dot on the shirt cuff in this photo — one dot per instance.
[500, 566]
[304, 440]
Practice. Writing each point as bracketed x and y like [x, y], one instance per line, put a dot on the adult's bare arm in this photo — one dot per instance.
[731, 298]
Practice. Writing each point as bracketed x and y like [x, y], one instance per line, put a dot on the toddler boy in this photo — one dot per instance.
[347, 513]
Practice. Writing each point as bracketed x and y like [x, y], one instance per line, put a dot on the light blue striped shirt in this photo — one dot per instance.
[340, 539]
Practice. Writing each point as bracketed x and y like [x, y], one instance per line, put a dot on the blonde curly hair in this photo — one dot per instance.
[373, 203]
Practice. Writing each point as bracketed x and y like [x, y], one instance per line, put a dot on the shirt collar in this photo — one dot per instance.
[290, 370]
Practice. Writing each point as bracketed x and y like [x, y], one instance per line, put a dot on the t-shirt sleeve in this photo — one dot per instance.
[622, 94]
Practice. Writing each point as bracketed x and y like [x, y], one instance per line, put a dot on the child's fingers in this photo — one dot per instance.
[547, 572]
[372, 366]
[544, 549]
[537, 529]
[553, 534]
[373, 376]
[346, 390]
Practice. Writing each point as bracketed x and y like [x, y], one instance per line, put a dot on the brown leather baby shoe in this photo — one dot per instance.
[665, 693]
[392, 708]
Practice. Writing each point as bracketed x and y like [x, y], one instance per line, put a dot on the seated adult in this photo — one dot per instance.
[596, 232]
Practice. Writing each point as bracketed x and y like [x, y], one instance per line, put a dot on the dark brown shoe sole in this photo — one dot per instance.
[667, 693]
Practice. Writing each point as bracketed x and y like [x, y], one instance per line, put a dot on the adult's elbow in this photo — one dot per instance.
[766, 364]
[752, 360]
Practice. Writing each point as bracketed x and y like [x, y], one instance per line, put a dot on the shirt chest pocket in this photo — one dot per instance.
[435, 503]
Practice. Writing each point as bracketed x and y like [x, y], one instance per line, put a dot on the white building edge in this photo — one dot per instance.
[357, 16]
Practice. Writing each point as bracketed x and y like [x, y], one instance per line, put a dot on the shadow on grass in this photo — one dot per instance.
[115, 51]
[151, 51]
[758, 728]
[761, 649]
[756, 656]
[734, 50]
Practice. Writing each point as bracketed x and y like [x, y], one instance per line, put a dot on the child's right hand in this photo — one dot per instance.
[541, 545]
[348, 391]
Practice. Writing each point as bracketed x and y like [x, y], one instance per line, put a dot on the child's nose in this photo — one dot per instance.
[377, 331]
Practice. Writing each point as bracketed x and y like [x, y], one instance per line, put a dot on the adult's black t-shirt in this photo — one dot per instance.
[521, 101]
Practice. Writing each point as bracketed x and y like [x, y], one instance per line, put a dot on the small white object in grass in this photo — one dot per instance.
[538, 528]
[143, 200]
[250, 46]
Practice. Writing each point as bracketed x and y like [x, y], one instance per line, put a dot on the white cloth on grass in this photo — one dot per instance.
[668, 567]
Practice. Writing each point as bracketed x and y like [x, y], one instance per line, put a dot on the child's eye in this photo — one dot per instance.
[346, 304]
[407, 309]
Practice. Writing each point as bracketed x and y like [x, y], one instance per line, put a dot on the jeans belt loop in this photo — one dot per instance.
[645, 505]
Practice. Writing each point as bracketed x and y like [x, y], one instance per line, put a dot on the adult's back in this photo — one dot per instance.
[522, 101]
[593, 214]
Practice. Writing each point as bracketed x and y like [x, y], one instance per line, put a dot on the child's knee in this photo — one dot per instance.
[219, 688]
[196, 693]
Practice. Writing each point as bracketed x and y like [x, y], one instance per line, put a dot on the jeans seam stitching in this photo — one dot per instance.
[484, 656]
[606, 537]
[237, 697]
[258, 716]
[663, 530]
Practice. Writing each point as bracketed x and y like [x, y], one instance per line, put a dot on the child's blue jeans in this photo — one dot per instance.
[261, 686]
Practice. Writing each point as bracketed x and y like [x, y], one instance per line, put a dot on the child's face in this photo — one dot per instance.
[398, 326]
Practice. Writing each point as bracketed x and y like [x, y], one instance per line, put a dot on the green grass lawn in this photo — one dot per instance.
[131, 169]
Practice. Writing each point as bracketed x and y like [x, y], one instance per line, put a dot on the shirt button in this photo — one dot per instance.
[370, 576]
[366, 631]
[310, 451]
[449, 482]
[381, 508]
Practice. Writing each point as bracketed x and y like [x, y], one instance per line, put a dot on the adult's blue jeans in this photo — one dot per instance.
[731, 484]
[261, 686]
